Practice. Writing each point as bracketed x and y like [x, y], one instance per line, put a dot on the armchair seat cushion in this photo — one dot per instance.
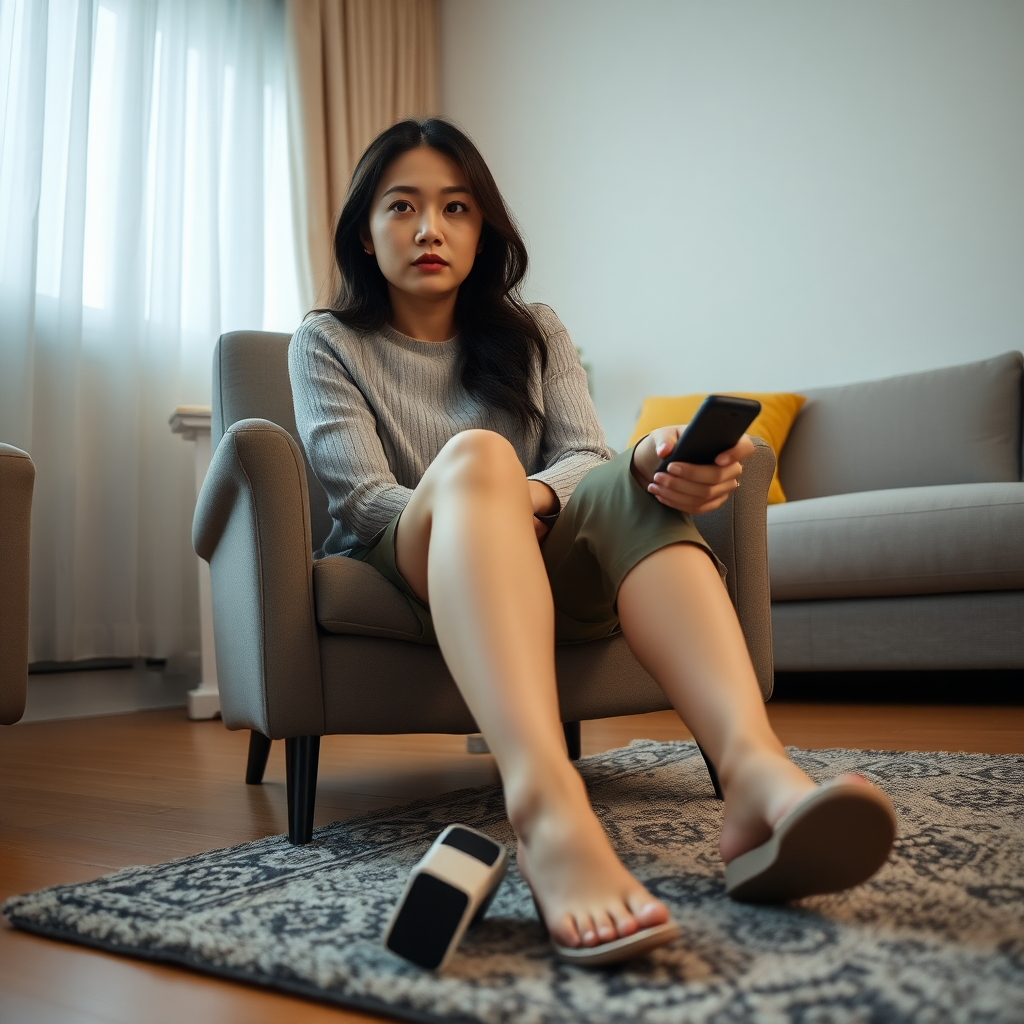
[914, 540]
[352, 597]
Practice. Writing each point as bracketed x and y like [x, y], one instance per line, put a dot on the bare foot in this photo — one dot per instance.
[585, 894]
[759, 788]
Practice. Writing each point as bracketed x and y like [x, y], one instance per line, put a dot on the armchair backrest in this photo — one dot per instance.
[250, 380]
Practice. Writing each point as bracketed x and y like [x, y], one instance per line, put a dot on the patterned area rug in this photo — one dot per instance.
[937, 935]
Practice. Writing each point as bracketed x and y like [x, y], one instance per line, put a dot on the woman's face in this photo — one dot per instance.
[424, 226]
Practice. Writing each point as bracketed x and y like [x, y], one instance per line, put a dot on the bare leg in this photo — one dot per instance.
[466, 545]
[681, 626]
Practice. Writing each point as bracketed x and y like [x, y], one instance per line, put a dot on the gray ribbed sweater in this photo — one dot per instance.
[373, 410]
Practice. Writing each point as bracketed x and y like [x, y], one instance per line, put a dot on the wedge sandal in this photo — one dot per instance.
[833, 839]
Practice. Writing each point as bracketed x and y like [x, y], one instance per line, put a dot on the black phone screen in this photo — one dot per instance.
[718, 424]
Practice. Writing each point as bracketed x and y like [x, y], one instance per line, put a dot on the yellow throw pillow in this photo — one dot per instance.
[778, 411]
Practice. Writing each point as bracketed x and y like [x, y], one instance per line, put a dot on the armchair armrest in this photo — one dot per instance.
[738, 534]
[17, 478]
[252, 525]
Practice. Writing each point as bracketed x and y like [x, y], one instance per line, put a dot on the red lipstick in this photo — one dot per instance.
[430, 261]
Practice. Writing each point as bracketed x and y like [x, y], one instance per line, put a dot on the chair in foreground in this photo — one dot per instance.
[310, 647]
[17, 478]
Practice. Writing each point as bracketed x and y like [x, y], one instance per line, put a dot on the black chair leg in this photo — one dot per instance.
[572, 739]
[711, 772]
[302, 755]
[259, 751]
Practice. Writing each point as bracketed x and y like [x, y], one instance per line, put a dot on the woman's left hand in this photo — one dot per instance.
[545, 501]
[685, 486]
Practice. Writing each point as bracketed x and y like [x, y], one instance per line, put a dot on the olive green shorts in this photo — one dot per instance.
[608, 525]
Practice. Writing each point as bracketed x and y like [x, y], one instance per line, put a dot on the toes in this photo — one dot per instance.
[566, 933]
[587, 930]
[604, 926]
[647, 910]
[625, 923]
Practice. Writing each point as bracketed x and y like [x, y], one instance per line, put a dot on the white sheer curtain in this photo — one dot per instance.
[144, 209]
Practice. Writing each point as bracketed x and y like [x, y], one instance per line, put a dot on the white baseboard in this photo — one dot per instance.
[108, 691]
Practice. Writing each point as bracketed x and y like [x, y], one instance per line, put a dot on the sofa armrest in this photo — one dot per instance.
[252, 525]
[17, 478]
[738, 534]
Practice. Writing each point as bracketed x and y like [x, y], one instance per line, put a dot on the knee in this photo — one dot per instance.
[479, 457]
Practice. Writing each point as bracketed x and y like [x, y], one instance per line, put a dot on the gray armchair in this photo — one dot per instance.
[308, 647]
[17, 477]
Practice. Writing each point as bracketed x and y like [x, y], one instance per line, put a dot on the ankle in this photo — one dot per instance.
[542, 795]
[745, 754]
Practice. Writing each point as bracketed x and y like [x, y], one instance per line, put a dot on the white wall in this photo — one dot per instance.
[755, 195]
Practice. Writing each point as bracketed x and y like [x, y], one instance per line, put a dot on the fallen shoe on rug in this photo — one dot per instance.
[448, 892]
[833, 839]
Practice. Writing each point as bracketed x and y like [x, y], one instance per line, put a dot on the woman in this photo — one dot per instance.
[452, 430]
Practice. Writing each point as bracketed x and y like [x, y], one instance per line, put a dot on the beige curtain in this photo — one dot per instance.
[355, 66]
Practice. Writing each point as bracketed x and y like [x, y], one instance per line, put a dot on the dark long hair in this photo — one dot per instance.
[497, 334]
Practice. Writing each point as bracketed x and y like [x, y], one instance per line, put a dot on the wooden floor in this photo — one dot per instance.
[81, 798]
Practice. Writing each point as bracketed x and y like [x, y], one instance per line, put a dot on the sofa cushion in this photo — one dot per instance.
[352, 597]
[956, 425]
[914, 540]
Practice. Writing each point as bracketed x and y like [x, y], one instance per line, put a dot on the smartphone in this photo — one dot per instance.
[718, 424]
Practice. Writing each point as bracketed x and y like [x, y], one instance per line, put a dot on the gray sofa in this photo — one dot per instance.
[902, 543]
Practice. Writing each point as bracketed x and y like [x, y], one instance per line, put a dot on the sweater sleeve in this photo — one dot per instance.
[573, 442]
[338, 431]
